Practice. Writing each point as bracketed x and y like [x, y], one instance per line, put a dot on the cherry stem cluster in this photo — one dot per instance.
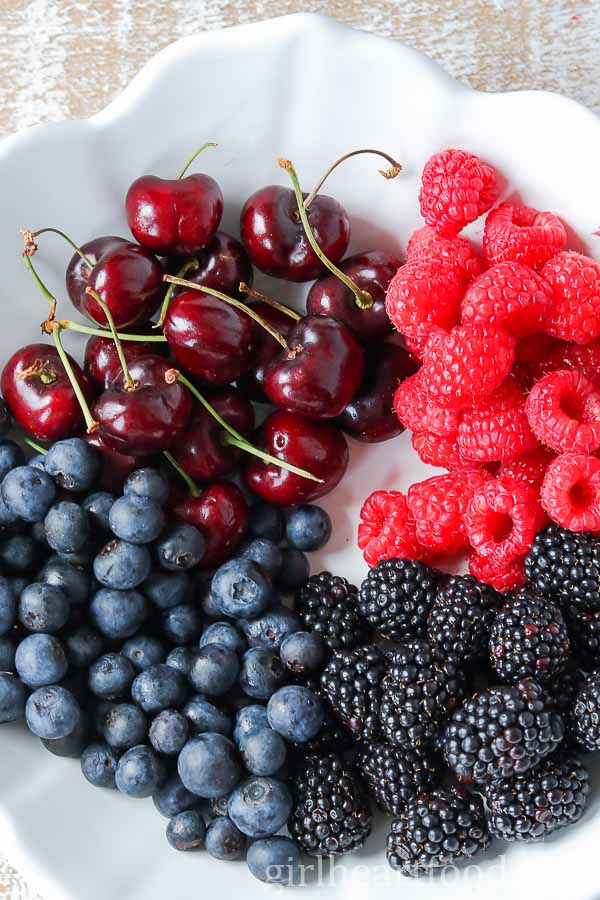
[130, 384]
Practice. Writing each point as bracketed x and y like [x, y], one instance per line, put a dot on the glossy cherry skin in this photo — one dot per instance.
[210, 339]
[319, 374]
[145, 420]
[174, 217]
[222, 265]
[126, 276]
[199, 448]
[317, 447]
[115, 466]
[273, 235]
[370, 416]
[220, 513]
[371, 272]
[264, 348]
[43, 401]
[101, 362]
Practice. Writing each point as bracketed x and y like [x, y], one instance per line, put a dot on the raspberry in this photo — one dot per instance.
[457, 188]
[497, 428]
[458, 252]
[584, 358]
[521, 234]
[571, 491]
[510, 295]
[437, 451]
[505, 577]
[417, 412]
[387, 529]
[438, 506]
[533, 358]
[574, 314]
[416, 347]
[424, 293]
[564, 412]
[502, 519]
[466, 364]
[529, 468]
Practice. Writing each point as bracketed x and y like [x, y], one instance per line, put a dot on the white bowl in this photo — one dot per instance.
[310, 89]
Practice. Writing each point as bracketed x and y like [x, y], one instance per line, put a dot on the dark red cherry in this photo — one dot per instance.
[209, 338]
[220, 512]
[370, 416]
[273, 235]
[200, 449]
[126, 276]
[115, 466]
[145, 420]
[222, 265]
[264, 347]
[317, 447]
[39, 393]
[319, 373]
[371, 272]
[101, 361]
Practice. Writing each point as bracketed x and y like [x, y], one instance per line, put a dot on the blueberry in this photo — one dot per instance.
[225, 841]
[260, 806]
[186, 830]
[296, 713]
[124, 726]
[295, 570]
[209, 607]
[264, 752]
[172, 797]
[8, 606]
[181, 624]
[271, 629]
[73, 464]
[215, 670]
[180, 548]
[7, 517]
[226, 634]
[111, 676]
[38, 462]
[12, 698]
[182, 659]
[18, 553]
[82, 557]
[67, 527]
[99, 765]
[218, 805]
[40, 659]
[261, 673]
[43, 607]
[71, 746]
[169, 732]
[75, 581]
[264, 553]
[308, 527]
[302, 652]
[11, 456]
[266, 522]
[118, 614]
[147, 483]
[249, 720]
[158, 687]
[101, 709]
[17, 583]
[28, 493]
[240, 589]
[52, 712]
[167, 589]
[139, 772]
[143, 651]
[7, 655]
[121, 565]
[203, 716]
[208, 765]
[84, 646]
[275, 860]
[136, 519]
[98, 508]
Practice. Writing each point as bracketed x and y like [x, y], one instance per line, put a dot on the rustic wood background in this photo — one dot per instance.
[62, 59]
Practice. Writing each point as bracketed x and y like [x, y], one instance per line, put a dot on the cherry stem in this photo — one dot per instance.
[190, 483]
[37, 447]
[192, 265]
[174, 279]
[130, 384]
[231, 436]
[49, 297]
[31, 247]
[395, 169]
[246, 289]
[362, 298]
[67, 324]
[90, 422]
[193, 157]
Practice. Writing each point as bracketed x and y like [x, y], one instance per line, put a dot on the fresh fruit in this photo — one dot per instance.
[520, 234]
[327, 605]
[396, 598]
[457, 188]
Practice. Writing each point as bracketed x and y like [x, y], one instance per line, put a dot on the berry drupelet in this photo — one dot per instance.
[585, 715]
[394, 775]
[327, 605]
[461, 617]
[566, 565]
[351, 682]
[396, 598]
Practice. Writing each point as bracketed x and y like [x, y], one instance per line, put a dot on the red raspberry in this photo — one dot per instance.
[530, 468]
[458, 252]
[386, 529]
[502, 519]
[416, 347]
[571, 491]
[521, 234]
[418, 413]
[457, 188]
[574, 314]
[503, 578]
[434, 450]
[466, 364]
[424, 293]
[497, 428]
[584, 358]
[564, 412]
[438, 506]
[510, 295]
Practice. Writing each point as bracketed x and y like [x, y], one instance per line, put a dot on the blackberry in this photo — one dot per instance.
[563, 690]
[420, 691]
[461, 617]
[501, 732]
[331, 813]
[585, 717]
[327, 605]
[435, 830]
[333, 736]
[396, 597]
[529, 638]
[584, 631]
[532, 806]
[566, 565]
[393, 775]
[351, 683]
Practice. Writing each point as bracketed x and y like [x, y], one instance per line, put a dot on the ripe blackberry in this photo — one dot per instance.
[333, 736]
[566, 565]
[532, 806]
[529, 638]
[393, 775]
[563, 690]
[461, 617]
[396, 597]
[435, 830]
[501, 732]
[421, 689]
[584, 631]
[351, 682]
[331, 813]
[585, 717]
[327, 605]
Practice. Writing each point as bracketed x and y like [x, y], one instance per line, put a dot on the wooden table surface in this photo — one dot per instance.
[62, 59]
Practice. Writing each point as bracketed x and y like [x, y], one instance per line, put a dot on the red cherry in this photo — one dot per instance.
[264, 347]
[220, 512]
[115, 466]
[39, 393]
[101, 360]
[222, 265]
[318, 447]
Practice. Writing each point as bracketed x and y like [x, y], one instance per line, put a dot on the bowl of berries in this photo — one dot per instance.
[300, 484]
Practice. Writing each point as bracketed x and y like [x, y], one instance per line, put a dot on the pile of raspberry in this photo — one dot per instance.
[507, 396]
